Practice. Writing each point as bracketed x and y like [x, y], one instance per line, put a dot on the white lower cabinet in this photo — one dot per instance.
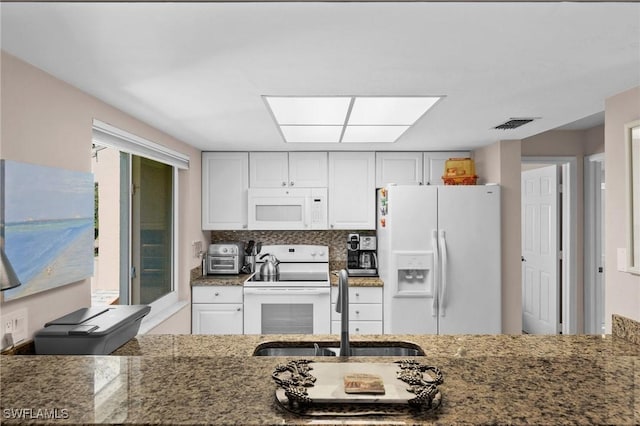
[365, 310]
[216, 310]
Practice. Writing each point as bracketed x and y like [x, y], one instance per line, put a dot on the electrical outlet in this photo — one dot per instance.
[15, 327]
[197, 248]
[20, 325]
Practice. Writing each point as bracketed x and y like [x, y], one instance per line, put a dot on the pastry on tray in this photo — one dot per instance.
[363, 383]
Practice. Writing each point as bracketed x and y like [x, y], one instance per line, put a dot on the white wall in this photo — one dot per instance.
[48, 122]
[622, 290]
[106, 170]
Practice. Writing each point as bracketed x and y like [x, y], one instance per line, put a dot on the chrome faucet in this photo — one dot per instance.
[342, 306]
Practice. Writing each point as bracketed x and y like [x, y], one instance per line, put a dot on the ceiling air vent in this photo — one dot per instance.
[514, 123]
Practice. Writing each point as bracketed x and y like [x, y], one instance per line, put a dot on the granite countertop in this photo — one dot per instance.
[214, 280]
[357, 281]
[189, 379]
[232, 280]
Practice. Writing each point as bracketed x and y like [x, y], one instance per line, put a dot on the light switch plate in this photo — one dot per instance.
[622, 260]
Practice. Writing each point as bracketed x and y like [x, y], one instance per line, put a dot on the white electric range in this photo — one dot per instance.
[298, 300]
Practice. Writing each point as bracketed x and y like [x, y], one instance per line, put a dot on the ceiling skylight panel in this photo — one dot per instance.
[363, 134]
[318, 110]
[311, 134]
[389, 110]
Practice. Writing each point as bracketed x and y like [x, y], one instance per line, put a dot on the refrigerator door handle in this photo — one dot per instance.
[443, 272]
[436, 267]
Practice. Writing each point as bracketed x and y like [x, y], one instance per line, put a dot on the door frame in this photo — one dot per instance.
[593, 241]
[569, 219]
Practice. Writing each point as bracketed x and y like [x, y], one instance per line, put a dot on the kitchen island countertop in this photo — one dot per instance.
[189, 379]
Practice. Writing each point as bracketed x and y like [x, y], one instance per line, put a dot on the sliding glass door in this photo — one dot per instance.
[151, 230]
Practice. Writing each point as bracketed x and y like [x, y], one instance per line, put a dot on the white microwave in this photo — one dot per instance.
[287, 208]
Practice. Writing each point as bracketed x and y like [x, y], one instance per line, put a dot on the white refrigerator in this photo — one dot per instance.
[439, 255]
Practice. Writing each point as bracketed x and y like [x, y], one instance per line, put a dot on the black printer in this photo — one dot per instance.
[90, 331]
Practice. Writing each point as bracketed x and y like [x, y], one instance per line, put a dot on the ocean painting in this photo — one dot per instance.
[48, 226]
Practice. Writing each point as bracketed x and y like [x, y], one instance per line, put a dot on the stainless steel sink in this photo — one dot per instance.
[292, 351]
[398, 349]
[386, 351]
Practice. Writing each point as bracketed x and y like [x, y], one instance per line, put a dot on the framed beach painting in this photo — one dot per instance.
[48, 218]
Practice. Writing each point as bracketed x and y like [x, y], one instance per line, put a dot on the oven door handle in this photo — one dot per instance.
[286, 291]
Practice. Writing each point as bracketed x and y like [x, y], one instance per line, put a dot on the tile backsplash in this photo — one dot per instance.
[336, 240]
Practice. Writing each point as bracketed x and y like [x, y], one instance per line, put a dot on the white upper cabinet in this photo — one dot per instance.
[352, 190]
[268, 169]
[402, 168]
[288, 169]
[308, 169]
[434, 165]
[225, 184]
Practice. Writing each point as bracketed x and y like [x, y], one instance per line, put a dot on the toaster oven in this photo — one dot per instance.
[224, 258]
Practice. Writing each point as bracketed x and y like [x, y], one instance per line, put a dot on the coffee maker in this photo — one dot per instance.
[361, 256]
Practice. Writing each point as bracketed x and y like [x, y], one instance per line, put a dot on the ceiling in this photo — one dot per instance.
[198, 71]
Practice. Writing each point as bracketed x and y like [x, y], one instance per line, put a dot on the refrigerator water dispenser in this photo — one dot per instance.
[414, 271]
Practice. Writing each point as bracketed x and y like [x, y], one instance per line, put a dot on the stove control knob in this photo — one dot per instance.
[224, 250]
[322, 254]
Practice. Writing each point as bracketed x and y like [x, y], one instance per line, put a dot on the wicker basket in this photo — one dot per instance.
[459, 171]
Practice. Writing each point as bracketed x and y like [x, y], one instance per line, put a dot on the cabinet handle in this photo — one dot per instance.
[284, 183]
[357, 294]
[244, 226]
[291, 183]
[239, 309]
[357, 329]
[357, 312]
[216, 294]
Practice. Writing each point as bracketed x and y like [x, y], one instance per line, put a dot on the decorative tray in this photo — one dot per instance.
[319, 388]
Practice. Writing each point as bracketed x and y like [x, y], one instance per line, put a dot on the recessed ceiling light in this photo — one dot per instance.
[363, 134]
[331, 119]
[389, 110]
[311, 134]
[309, 110]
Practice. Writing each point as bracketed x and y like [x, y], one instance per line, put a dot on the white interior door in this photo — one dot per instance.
[540, 287]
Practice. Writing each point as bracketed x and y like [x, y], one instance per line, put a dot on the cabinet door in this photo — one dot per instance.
[216, 318]
[225, 182]
[434, 165]
[268, 169]
[402, 168]
[352, 190]
[308, 169]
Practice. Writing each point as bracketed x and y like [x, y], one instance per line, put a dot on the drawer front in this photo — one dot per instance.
[216, 294]
[360, 294]
[359, 327]
[360, 312]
